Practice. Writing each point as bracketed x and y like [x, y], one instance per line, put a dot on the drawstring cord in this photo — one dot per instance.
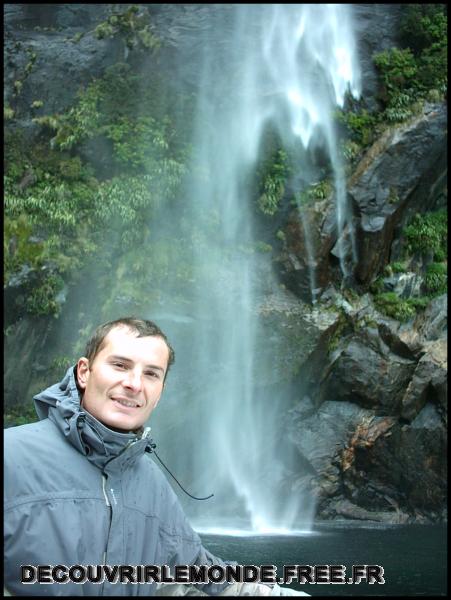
[151, 448]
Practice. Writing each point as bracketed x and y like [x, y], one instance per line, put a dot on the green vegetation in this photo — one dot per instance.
[8, 112]
[315, 192]
[262, 247]
[398, 267]
[409, 75]
[392, 305]
[349, 149]
[436, 279]
[133, 24]
[276, 171]
[20, 415]
[428, 233]
[418, 70]
[60, 211]
[360, 127]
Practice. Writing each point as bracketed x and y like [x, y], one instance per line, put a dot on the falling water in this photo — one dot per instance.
[280, 66]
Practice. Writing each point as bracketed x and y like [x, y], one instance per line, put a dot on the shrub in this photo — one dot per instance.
[398, 267]
[317, 191]
[410, 73]
[428, 233]
[133, 25]
[393, 306]
[436, 278]
[360, 126]
[20, 415]
[275, 172]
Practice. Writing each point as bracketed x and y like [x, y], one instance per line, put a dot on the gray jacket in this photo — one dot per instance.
[77, 492]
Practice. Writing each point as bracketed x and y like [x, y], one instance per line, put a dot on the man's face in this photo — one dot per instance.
[125, 380]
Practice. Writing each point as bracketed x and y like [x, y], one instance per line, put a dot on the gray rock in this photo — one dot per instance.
[388, 178]
[404, 285]
[322, 435]
[429, 379]
[432, 324]
[369, 374]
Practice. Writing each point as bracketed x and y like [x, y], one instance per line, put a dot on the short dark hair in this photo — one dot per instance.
[142, 327]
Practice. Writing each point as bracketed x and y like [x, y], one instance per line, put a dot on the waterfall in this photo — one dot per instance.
[283, 67]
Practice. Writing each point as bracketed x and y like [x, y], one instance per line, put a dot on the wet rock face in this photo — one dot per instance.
[372, 426]
[41, 36]
[376, 27]
[385, 182]
[429, 381]
[310, 236]
[392, 182]
[415, 481]
[370, 376]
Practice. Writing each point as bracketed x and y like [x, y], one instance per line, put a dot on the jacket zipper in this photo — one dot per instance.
[108, 503]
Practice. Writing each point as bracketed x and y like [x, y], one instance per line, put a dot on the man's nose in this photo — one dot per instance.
[133, 380]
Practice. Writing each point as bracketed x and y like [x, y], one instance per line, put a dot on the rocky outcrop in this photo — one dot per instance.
[410, 157]
[373, 428]
[44, 56]
[403, 172]
[377, 29]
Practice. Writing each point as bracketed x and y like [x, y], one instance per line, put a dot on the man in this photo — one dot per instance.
[80, 489]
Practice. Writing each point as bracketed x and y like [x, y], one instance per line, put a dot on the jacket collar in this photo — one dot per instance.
[107, 449]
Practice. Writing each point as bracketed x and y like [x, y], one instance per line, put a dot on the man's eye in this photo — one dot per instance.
[119, 364]
[152, 374]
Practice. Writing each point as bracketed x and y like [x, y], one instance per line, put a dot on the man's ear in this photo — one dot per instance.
[82, 372]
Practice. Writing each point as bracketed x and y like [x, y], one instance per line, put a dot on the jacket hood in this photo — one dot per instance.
[101, 445]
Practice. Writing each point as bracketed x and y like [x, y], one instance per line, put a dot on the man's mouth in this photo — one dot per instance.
[125, 402]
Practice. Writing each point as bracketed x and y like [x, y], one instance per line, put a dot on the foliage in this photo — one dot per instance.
[423, 26]
[60, 364]
[133, 24]
[359, 125]
[275, 171]
[317, 191]
[262, 247]
[392, 305]
[42, 235]
[58, 215]
[398, 267]
[436, 279]
[109, 108]
[411, 73]
[398, 70]
[42, 299]
[19, 415]
[8, 112]
[350, 150]
[428, 233]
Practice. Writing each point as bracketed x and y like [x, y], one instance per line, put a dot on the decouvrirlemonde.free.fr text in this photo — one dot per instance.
[202, 574]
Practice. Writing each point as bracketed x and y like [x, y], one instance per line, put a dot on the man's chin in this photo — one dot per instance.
[121, 423]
